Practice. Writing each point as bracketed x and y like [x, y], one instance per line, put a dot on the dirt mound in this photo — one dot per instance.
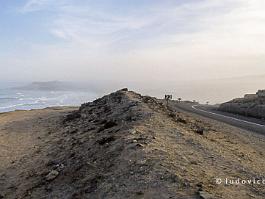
[125, 145]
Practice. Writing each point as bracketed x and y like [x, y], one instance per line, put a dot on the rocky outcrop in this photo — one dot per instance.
[251, 105]
[125, 145]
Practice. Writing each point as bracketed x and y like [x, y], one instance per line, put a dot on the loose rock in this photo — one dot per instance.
[52, 175]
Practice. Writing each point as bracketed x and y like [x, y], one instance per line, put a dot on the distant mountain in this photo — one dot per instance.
[48, 86]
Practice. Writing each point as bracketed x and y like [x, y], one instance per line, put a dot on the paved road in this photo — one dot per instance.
[250, 124]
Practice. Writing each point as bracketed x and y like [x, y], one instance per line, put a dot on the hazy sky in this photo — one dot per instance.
[131, 39]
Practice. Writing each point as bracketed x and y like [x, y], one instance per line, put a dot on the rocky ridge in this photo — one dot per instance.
[125, 145]
[251, 105]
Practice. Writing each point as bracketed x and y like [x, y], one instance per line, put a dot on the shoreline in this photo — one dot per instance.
[38, 109]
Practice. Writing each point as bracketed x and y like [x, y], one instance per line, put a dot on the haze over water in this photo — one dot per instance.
[25, 99]
[204, 50]
[214, 91]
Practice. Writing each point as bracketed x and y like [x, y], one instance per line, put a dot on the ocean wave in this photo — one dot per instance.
[10, 106]
[34, 100]
[22, 105]
[8, 98]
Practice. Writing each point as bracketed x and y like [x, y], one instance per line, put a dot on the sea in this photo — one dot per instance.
[13, 98]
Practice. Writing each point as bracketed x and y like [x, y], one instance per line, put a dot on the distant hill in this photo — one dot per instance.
[49, 86]
[252, 105]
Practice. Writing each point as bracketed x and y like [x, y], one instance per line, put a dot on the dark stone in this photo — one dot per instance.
[101, 122]
[107, 109]
[110, 124]
[52, 163]
[74, 131]
[48, 188]
[93, 184]
[124, 89]
[199, 130]
[139, 193]
[148, 99]
[139, 145]
[173, 115]
[181, 120]
[74, 115]
[199, 185]
[107, 125]
[128, 118]
[106, 140]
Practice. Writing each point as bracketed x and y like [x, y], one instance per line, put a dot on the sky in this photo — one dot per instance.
[131, 40]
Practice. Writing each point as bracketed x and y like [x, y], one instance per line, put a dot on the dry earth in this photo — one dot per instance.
[125, 145]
